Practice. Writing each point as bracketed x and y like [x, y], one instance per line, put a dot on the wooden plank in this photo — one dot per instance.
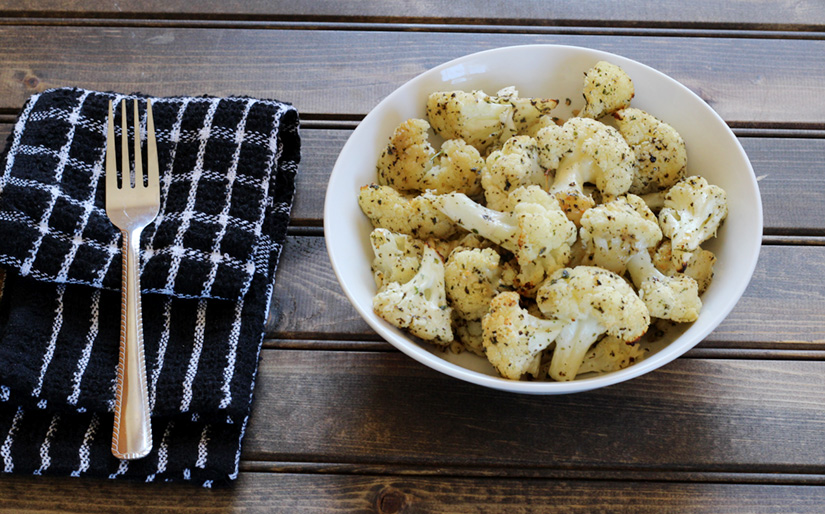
[790, 173]
[691, 415]
[802, 14]
[784, 306]
[345, 73]
[297, 494]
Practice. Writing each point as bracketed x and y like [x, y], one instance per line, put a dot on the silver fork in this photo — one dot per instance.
[131, 208]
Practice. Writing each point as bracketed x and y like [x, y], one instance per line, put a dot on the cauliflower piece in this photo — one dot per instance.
[483, 120]
[590, 302]
[675, 298]
[397, 257]
[405, 214]
[472, 276]
[513, 338]
[458, 169]
[584, 150]
[410, 163]
[515, 165]
[699, 267]
[537, 231]
[613, 232]
[407, 157]
[419, 305]
[469, 334]
[691, 215]
[527, 112]
[474, 117]
[611, 354]
[607, 88]
[660, 150]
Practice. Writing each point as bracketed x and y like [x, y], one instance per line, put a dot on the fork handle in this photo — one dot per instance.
[132, 434]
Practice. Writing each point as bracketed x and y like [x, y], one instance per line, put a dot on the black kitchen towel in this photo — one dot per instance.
[228, 167]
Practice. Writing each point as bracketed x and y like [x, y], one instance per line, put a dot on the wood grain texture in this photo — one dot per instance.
[345, 73]
[301, 494]
[784, 306]
[693, 414]
[785, 14]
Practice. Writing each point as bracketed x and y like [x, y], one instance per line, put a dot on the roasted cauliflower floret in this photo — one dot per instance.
[675, 298]
[513, 338]
[607, 88]
[611, 354]
[397, 257]
[457, 167]
[527, 112]
[536, 231]
[699, 266]
[474, 117]
[472, 277]
[660, 150]
[409, 163]
[407, 157]
[613, 232]
[419, 305]
[412, 215]
[692, 213]
[584, 150]
[590, 301]
[483, 120]
[515, 165]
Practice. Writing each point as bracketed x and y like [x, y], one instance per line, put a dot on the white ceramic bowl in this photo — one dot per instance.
[554, 72]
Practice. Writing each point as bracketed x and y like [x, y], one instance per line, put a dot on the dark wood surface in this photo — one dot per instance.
[342, 422]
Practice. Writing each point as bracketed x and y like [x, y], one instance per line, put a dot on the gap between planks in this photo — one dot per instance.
[315, 228]
[350, 122]
[742, 477]
[728, 350]
[577, 27]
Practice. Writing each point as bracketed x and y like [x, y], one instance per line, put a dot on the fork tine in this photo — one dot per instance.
[125, 171]
[138, 155]
[151, 149]
[111, 159]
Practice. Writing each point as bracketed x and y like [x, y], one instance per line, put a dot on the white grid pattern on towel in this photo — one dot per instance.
[63, 159]
[74, 240]
[223, 218]
[193, 189]
[18, 133]
[275, 151]
[88, 205]
[166, 174]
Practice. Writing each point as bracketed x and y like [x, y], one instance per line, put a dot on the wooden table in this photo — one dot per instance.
[343, 422]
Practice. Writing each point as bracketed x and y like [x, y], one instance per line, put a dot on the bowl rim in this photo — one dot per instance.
[666, 355]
